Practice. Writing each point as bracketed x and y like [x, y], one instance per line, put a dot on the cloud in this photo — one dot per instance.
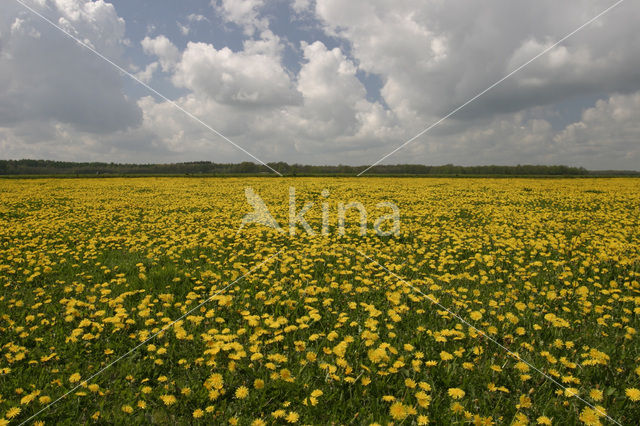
[46, 77]
[322, 113]
[166, 52]
[195, 17]
[300, 6]
[335, 111]
[380, 73]
[244, 13]
[607, 136]
[184, 29]
[253, 77]
[192, 18]
[147, 74]
[433, 56]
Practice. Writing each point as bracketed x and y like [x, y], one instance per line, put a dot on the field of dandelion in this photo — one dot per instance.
[500, 301]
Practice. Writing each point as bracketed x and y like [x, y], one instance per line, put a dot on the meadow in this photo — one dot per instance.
[322, 329]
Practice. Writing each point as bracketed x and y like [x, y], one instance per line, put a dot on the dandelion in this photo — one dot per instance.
[397, 411]
[285, 374]
[197, 413]
[74, 378]
[445, 356]
[292, 417]
[27, 399]
[457, 408]
[633, 394]
[168, 399]
[410, 383]
[569, 392]
[456, 393]
[242, 392]
[215, 381]
[595, 394]
[12, 412]
[590, 417]
[278, 414]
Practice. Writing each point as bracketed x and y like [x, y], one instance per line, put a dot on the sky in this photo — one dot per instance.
[321, 81]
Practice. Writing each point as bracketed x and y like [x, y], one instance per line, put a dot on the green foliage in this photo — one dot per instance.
[48, 167]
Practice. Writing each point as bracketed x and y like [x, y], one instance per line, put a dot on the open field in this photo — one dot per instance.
[343, 329]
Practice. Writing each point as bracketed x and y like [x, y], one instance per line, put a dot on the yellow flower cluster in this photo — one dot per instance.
[544, 274]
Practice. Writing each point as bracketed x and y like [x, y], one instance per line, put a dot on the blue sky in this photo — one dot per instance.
[322, 81]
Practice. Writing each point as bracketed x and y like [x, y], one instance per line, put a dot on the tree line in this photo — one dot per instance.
[49, 167]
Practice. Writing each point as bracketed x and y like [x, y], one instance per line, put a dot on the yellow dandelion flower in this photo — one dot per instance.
[398, 411]
[457, 408]
[570, 392]
[590, 417]
[12, 412]
[633, 394]
[595, 394]
[168, 399]
[456, 393]
[292, 417]
[476, 315]
[242, 392]
[445, 356]
[317, 393]
[285, 374]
